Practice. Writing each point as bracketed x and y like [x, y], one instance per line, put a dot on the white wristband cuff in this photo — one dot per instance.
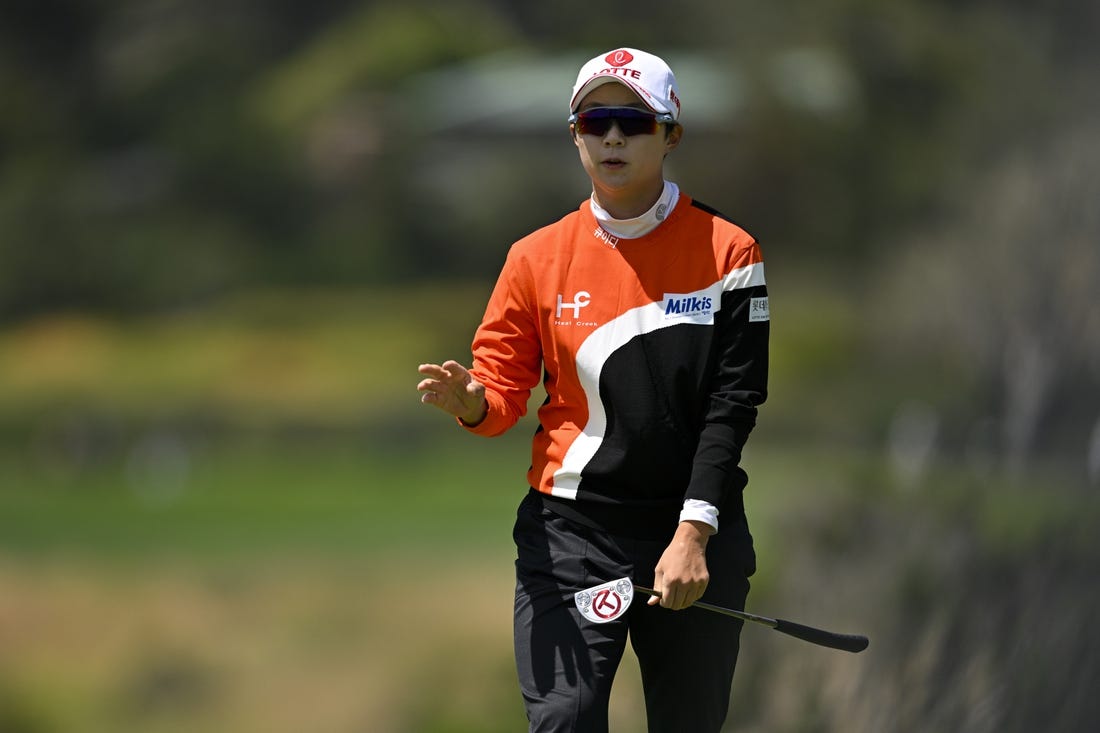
[697, 510]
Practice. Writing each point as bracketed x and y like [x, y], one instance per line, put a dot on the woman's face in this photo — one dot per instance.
[623, 168]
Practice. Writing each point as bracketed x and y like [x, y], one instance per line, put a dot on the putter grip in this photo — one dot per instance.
[844, 642]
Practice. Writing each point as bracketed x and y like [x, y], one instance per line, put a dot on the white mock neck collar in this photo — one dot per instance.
[642, 225]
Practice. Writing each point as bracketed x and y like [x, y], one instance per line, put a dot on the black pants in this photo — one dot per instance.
[567, 664]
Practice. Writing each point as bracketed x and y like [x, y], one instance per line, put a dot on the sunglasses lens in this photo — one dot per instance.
[637, 126]
[597, 127]
[630, 121]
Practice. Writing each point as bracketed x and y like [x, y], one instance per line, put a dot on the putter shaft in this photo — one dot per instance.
[743, 615]
[845, 642]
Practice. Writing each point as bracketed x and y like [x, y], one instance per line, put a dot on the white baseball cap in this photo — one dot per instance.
[646, 75]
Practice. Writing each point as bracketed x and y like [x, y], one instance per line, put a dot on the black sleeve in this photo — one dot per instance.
[739, 383]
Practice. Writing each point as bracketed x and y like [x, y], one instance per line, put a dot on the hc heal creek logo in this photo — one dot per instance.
[581, 299]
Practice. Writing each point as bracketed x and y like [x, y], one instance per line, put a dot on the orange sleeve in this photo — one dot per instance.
[507, 354]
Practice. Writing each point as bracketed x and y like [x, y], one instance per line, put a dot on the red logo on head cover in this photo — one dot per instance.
[607, 604]
[621, 57]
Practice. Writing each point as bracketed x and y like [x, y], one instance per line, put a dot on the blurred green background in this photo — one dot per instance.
[229, 231]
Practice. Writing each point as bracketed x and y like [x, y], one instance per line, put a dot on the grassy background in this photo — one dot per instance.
[242, 519]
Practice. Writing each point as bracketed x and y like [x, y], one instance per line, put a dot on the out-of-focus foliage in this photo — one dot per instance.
[158, 156]
[230, 230]
[168, 152]
[1019, 325]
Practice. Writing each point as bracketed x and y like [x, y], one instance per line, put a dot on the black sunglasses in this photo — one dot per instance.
[631, 121]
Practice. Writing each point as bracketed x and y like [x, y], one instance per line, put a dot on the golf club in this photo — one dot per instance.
[608, 601]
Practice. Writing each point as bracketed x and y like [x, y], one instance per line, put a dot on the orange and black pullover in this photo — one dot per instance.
[654, 355]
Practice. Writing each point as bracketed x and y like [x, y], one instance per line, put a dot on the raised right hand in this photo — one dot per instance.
[450, 387]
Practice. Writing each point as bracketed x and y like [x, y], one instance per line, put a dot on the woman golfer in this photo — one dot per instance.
[645, 315]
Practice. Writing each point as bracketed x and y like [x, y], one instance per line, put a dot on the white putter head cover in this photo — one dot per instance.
[605, 602]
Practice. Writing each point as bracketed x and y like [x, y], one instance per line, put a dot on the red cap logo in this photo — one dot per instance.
[621, 57]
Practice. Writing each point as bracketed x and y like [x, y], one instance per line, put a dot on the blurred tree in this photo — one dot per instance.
[173, 151]
[1008, 294]
[158, 154]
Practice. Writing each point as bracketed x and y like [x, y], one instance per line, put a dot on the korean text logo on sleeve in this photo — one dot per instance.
[758, 310]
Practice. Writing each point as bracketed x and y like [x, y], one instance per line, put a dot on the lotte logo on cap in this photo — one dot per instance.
[619, 58]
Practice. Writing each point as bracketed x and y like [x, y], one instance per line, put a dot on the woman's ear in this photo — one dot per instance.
[672, 138]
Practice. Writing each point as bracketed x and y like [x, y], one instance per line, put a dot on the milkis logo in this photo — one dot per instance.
[688, 306]
[697, 307]
[622, 57]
